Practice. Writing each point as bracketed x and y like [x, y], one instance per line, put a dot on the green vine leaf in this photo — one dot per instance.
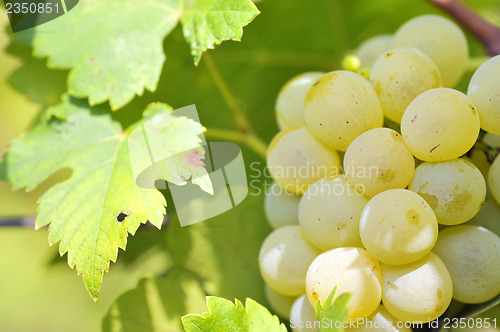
[83, 212]
[332, 310]
[207, 23]
[223, 315]
[121, 53]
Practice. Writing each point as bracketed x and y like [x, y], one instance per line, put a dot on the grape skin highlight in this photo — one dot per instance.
[439, 38]
[340, 106]
[329, 214]
[353, 271]
[440, 124]
[472, 255]
[296, 159]
[284, 258]
[379, 160]
[484, 91]
[290, 101]
[398, 227]
[454, 189]
[399, 76]
[417, 292]
[281, 207]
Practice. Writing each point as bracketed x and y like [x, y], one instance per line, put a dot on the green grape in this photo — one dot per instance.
[439, 38]
[284, 258]
[378, 160]
[440, 124]
[303, 316]
[494, 179]
[281, 206]
[484, 91]
[398, 227]
[353, 271]
[296, 159]
[369, 50]
[491, 139]
[381, 320]
[281, 304]
[290, 101]
[454, 189]
[399, 76]
[472, 255]
[417, 292]
[487, 217]
[340, 106]
[329, 214]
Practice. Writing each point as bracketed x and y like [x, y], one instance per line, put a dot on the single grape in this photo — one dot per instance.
[369, 50]
[398, 227]
[494, 179]
[281, 304]
[472, 255]
[296, 159]
[382, 321]
[340, 106]
[439, 38]
[378, 160]
[440, 124]
[484, 91]
[284, 258]
[399, 76]
[454, 189]
[290, 101]
[303, 316]
[353, 271]
[329, 214]
[417, 292]
[281, 207]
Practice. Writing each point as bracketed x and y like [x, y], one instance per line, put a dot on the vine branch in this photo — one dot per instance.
[245, 134]
[485, 31]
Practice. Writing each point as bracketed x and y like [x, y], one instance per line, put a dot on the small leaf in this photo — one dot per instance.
[223, 315]
[332, 310]
[92, 213]
[209, 22]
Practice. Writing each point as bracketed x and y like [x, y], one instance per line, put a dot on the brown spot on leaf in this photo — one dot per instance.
[195, 158]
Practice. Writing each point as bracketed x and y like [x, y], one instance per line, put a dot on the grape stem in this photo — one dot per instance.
[486, 32]
[245, 134]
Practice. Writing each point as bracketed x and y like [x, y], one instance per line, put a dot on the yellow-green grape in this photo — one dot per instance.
[454, 189]
[439, 38]
[400, 75]
[440, 124]
[353, 271]
[494, 179]
[491, 139]
[280, 206]
[284, 258]
[303, 316]
[378, 160]
[296, 159]
[351, 63]
[340, 106]
[290, 101]
[417, 292]
[484, 91]
[382, 321]
[329, 214]
[472, 255]
[281, 304]
[398, 227]
[369, 50]
[487, 217]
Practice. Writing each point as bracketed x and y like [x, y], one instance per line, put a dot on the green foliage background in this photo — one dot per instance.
[218, 257]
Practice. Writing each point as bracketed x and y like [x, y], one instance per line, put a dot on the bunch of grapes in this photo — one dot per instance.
[388, 215]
